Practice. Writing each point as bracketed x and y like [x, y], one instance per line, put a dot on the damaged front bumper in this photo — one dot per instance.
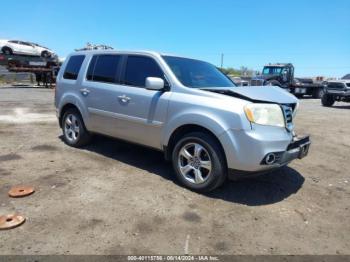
[297, 149]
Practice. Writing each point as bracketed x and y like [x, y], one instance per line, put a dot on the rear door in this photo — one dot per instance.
[142, 112]
[100, 91]
[16, 46]
[27, 48]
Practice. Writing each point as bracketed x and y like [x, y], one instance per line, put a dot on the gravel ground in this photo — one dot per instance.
[116, 198]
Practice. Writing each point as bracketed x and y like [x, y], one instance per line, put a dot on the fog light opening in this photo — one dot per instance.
[270, 159]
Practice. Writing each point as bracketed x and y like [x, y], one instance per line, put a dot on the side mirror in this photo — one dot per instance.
[154, 83]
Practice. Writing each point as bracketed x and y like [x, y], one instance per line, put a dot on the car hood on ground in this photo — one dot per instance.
[270, 94]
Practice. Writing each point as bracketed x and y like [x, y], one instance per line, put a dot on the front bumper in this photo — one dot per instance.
[340, 93]
[246, 150]
[298, 148]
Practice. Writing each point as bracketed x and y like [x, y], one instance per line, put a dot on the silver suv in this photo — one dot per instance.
[209, 128]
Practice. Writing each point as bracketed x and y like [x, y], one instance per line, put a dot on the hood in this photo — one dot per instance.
[269, 94]
[345, 81]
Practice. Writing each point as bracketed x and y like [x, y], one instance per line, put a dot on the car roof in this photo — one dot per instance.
[108, 51]
[279, 65]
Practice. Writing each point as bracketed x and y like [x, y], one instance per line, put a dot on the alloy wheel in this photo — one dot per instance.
[194, 163]
[72, 128]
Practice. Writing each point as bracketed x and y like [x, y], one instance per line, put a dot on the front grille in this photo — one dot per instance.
[336, 86]
[288, 116]
[256, 82]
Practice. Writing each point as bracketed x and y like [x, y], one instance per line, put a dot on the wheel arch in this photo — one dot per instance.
[181, 131]
[70, 101]
[6, 47]
[64, 109]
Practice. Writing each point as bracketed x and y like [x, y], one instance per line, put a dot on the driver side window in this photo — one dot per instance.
[138, 68]
[266, 71]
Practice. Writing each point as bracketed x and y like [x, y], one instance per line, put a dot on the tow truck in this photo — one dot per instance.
[282, 75]
[45, 69]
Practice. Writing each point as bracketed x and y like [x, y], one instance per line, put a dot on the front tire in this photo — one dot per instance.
[45, 54]
[199, 162]
[327, 100]
[74, 131]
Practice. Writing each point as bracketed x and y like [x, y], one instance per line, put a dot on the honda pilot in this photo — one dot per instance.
[206, 126]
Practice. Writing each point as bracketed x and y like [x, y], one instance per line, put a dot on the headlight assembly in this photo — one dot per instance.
[265, 114]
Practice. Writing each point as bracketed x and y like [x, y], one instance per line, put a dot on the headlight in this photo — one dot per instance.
[265, 114]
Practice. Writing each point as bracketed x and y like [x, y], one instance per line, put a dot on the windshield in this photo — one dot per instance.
[197, 74]
[272, 70]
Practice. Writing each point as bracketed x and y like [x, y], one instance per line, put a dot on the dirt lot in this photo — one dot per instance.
[117, 198]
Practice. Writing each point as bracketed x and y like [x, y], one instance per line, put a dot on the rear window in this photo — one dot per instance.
[104, 68]
[138, 68]
[72, 69]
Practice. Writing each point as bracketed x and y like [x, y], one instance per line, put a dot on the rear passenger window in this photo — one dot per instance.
[138, 68]
[104, 68]
[73, 67]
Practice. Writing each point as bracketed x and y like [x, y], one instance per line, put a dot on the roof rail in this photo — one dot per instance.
[90, 46]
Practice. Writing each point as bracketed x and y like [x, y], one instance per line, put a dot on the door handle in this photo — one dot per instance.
[85, 91]
[124, 98]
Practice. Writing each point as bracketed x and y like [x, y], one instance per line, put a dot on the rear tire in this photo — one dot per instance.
[327, 100]
[74, 131]
[199, 162]
[7, 51]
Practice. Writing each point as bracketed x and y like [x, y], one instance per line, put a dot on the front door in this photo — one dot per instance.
[142, 112]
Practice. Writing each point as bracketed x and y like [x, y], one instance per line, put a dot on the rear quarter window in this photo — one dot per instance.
[73, 67]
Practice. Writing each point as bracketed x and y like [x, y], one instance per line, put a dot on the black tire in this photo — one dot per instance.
[218, 172]
[273, 83]
[45, 54]
[83, 137]
[318, 93]
[299, 96]
[327, 100]
[7, 51]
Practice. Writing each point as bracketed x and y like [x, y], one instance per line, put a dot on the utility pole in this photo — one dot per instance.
[222, 60]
